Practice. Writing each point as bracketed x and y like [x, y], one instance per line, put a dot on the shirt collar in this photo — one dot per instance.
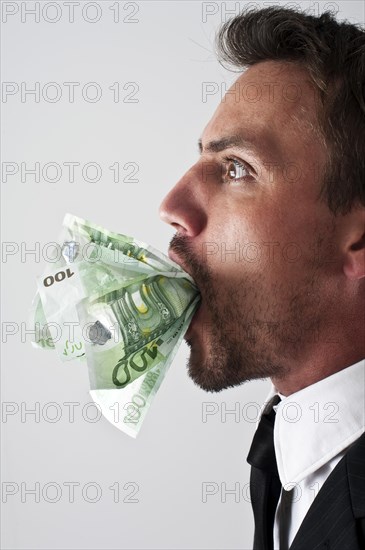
[316, 423]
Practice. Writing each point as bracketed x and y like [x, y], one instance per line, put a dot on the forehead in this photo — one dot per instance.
[273, 100]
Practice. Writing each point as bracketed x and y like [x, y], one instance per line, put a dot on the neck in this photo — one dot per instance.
[299, 378]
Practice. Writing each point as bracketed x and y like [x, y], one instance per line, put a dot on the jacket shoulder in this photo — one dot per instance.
[336, 518]
[355, 462]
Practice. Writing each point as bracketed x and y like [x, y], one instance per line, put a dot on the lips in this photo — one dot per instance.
[175, 258]
[193, 322]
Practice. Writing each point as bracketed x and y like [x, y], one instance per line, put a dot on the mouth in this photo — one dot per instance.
[176, 259]
[194, 322]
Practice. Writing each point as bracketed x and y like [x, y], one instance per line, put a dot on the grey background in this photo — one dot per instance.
[168, 53]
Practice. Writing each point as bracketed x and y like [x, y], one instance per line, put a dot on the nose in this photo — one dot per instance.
[183, 207]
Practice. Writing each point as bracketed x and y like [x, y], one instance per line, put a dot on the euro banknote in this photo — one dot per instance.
[121, 305]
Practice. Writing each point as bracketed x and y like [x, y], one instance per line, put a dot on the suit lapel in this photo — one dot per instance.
[356, 473]
[339, 501]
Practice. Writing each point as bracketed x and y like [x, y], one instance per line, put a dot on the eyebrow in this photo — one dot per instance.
[216, 146]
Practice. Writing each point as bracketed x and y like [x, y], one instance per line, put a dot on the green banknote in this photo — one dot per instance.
[130, 330]
[103, 259]
[123, 306]
[133, 336]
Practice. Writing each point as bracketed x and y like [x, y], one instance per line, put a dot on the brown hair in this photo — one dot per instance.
[334, 54]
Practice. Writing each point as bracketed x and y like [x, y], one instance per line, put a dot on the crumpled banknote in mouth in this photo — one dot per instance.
[120, 306]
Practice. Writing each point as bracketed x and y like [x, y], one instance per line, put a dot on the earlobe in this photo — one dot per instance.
[354, 266]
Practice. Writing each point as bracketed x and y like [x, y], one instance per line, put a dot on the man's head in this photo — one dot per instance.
[271, 219]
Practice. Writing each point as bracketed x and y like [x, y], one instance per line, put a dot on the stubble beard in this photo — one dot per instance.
[242, 342]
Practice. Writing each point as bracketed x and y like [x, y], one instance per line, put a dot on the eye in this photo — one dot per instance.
[235, 171]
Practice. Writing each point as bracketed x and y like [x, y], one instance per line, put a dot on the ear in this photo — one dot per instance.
[354, 264]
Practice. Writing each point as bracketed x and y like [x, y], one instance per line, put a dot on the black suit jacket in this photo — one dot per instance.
[336, 518]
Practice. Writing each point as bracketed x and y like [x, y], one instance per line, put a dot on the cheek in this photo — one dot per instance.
[261, 236]
[239, 241]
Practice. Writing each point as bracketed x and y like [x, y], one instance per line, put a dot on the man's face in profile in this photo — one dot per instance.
[252, 232]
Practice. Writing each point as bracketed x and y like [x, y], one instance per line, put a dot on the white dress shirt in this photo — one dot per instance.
[314, 428]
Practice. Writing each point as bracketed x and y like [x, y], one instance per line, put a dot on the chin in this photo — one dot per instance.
[203, 369]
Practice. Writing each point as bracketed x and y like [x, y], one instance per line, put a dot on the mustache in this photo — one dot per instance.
[181, 246]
